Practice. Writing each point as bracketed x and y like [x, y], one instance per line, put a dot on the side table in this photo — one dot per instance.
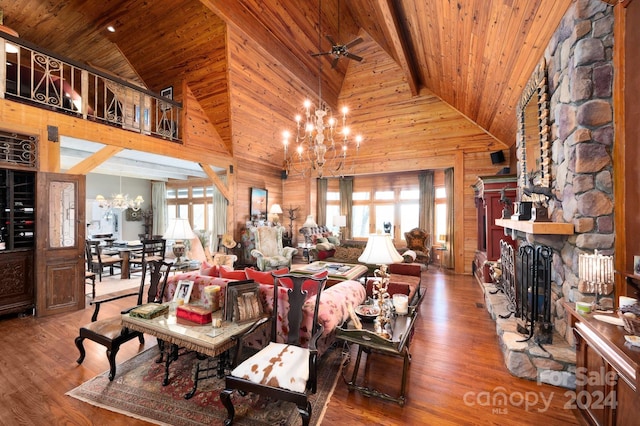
[368, 341]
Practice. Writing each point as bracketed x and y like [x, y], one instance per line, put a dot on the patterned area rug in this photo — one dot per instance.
[137, 391]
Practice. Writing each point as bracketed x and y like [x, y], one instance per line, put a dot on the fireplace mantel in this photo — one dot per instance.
[542, 228]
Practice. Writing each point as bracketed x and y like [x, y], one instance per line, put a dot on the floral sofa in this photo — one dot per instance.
[333, 310]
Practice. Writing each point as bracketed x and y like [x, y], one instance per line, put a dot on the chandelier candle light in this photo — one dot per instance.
[315, 142]
[120, 201]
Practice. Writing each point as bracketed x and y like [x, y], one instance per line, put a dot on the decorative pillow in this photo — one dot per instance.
[321, 240]
[324, 246]
[224, 259]
[409, 256]
[209, 270]
[263, 277]
[232, 274]
[333, 240]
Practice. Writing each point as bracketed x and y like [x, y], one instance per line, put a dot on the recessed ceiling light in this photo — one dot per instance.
[111, 29]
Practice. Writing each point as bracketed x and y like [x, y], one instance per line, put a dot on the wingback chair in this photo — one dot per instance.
[418, 240]
[269, 252]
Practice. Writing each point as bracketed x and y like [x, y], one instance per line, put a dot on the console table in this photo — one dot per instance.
[368, 341]
[607, 371]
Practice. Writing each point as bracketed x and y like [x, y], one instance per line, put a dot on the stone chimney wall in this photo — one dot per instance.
[580, 74]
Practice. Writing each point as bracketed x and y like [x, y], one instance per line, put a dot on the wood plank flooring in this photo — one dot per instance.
[457, 374]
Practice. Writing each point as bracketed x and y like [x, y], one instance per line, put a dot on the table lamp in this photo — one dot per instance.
[179, 230]
[274, 212]
[381, 251]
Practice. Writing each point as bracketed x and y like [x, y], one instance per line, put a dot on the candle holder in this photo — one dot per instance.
[595, 272]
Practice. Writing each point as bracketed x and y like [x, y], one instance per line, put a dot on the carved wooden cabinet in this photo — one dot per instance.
[17, 229]
[607, 371]
[488, 192]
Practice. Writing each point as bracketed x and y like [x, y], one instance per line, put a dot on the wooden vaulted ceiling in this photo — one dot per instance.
[472, 56]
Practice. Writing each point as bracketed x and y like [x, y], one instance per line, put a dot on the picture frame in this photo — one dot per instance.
[167, 92]
[258, 204]
[183, 291]
[636, 265]
[242, 301]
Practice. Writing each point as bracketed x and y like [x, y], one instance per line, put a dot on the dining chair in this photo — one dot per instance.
[97, 261]
[152, 249]
[282, 370]
[109, 332]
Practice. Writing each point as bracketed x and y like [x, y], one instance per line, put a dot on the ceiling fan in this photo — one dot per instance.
[337, 50]
[340, 50]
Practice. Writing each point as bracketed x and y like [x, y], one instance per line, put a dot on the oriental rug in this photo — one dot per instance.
[137, 392]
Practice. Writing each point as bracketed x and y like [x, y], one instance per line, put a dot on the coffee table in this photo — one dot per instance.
[337, 271]
[180, 333]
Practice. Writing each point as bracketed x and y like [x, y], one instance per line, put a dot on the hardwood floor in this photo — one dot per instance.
[457, 370]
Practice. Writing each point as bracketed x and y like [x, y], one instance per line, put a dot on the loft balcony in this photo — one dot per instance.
[32, 75]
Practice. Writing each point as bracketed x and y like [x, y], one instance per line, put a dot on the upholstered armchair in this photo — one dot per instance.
[418, 241]
[269, 252]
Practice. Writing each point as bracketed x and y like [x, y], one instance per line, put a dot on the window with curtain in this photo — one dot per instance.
[377, 200]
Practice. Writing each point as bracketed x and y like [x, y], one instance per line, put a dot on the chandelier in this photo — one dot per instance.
[321, 139]
[120, 201]
[319, 142]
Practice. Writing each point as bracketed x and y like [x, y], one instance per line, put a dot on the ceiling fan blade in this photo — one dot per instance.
[354, 42]
[352, 56]
[321, 53]
[333, 43]
[335, 62]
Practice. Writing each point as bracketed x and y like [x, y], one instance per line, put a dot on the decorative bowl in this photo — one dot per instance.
[367, 312]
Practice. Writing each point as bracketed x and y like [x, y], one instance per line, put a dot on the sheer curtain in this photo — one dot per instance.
[321, 206]
[346, 202]
[159, 204]
[448, 187]
[427, 203]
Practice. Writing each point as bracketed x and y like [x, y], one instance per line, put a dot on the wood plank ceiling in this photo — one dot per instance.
[475, 55]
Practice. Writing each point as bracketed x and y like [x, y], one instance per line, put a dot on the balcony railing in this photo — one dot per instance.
[41, 78]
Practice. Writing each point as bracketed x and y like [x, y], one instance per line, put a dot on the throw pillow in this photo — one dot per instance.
[321, 240]
[224, 259]
[209, 270]
[231, 274]
[263, 277]
[333, 240]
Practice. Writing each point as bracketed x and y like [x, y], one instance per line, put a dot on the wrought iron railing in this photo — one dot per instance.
[31, 74]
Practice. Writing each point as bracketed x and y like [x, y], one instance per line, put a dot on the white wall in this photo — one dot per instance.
[108, 186]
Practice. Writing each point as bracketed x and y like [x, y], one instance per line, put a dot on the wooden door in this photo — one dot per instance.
[60, 243]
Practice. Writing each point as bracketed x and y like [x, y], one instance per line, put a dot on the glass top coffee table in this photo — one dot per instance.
[180, 333]
[337, 271]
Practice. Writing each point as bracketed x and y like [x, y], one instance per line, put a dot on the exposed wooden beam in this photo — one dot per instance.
[388, 18]
[91, 162]
[216, 181]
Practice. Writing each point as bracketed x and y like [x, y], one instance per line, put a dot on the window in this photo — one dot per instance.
[192, 202]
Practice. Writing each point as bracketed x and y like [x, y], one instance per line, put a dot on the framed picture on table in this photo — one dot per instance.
[183, 291]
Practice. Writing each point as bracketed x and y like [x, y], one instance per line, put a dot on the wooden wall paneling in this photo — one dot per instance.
[626, 152]
[198, 131]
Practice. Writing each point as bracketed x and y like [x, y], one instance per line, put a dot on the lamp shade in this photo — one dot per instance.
[380, 251]
[275, 209]
[340, 221]
[179, 229]
[309, 223]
